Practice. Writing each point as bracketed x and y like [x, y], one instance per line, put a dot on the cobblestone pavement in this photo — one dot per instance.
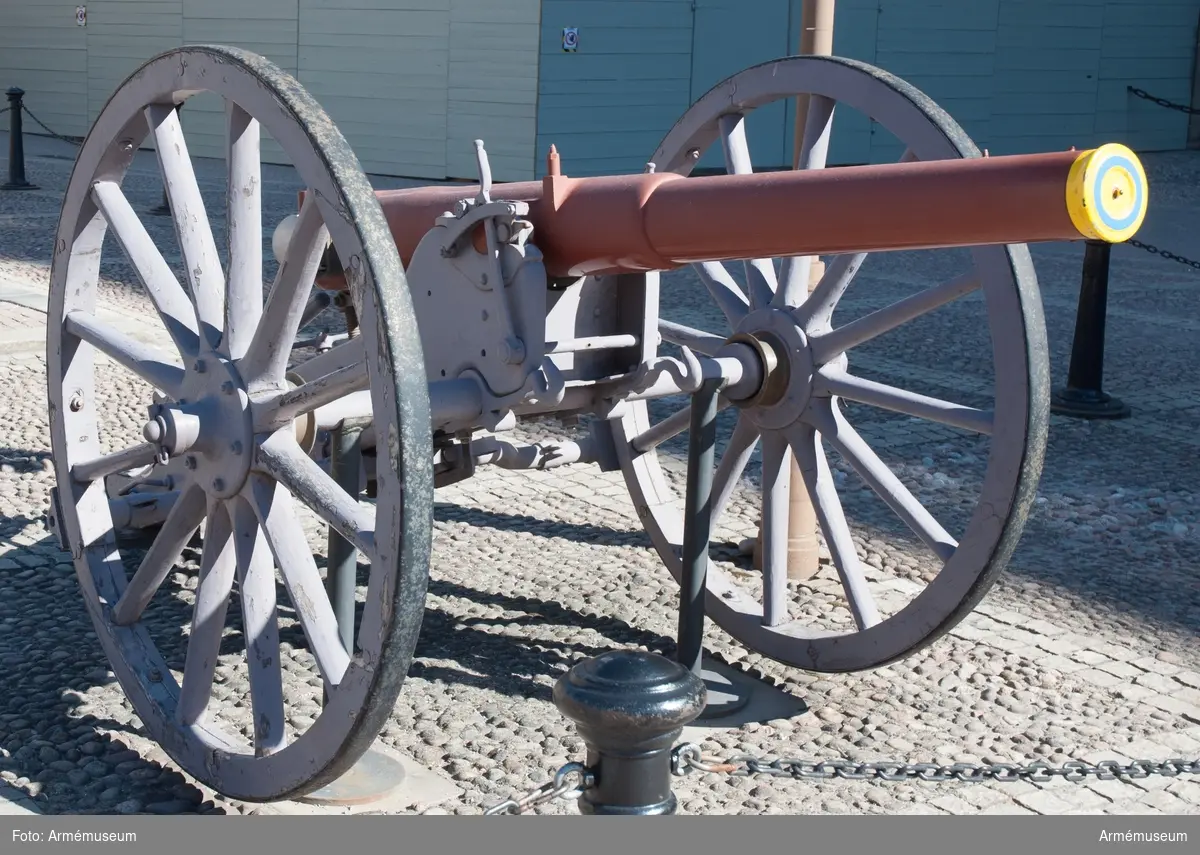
[1085, 649]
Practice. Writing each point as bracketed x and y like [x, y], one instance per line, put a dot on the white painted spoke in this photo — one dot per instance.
[776, 481]
[319, 393]
[280, 457]
[347, 353]
[244, 298]
[196, 242]
[811, 460]
[260, 628]
[110, 464]
[181, 523]
[698, 340]
[733, 463]
[831, 381]
[817, 310]
[724, 290]
[172, 302]
[814, 150]
[839, 433]
[217, 566]
[829, 345]
[146, 362]
[289, 544]
[669, 428]
[760, 273]
[270, 348]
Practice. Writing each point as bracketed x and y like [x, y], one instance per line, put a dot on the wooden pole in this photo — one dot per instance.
[803, 557]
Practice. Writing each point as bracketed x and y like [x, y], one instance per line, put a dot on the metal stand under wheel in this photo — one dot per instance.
[229, 408]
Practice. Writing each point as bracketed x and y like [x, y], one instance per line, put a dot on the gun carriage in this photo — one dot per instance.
[475, 308]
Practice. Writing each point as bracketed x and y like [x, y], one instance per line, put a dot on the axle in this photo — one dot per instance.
[660, 221]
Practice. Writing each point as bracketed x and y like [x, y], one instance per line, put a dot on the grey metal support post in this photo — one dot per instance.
[629, 707]
[697, 525]
[1084, 396]
[164, 208]
[341, 580]
[16, 142]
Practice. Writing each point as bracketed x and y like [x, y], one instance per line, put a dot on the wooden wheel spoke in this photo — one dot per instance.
[217, 567]
[339, 356]
[733, 463]
[669, 428]
[260, 628]
[288, 543]
[318, 393]
[270, 347]
[760, 272]
[776, 481]
[684, 336]
[196, 242]
[169, 298]
[831, 381]
[146, 362]
[811, 460]
[244, 295]
[816, 311]
[724, 290]
[839, 433]
[814, 150]
[829, 345]
[181, 523]
[281, 458]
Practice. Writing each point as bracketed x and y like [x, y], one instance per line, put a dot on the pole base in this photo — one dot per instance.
[373, 778]
[1088, 404]
[25, 186]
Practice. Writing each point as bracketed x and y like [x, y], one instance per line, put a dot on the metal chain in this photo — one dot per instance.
[71, 140]
[1195, 265]
[688, 758]
[1163, 102]
[5, 110]
[562, 786]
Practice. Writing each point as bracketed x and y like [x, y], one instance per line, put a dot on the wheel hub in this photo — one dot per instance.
[787, 365]
[210, 426]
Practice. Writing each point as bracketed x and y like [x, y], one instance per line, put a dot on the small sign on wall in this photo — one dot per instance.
[570, 39]
[81, 15]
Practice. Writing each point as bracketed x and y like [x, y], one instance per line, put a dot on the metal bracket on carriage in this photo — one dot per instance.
[686, 373]
[544, 386]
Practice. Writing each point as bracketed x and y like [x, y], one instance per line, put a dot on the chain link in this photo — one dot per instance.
[688, 758]
[71, 140]
[1195, 265]
[568, 782]
[1163, 102]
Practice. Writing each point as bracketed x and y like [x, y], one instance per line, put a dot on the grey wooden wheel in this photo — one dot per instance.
[229, 408]
[819, 359]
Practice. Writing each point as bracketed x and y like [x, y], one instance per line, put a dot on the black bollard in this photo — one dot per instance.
[16, 142]
[1084, 396]
[629, 707]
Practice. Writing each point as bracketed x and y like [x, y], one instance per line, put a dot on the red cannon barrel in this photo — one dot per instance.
[661, 221]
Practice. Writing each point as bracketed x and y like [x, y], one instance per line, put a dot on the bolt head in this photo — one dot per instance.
[218, 484]
[76, 402]
[189, 462]
[236, 448]
[227, 387]
[200, 367]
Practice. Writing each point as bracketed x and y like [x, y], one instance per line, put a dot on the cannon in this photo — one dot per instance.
[472, 309]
